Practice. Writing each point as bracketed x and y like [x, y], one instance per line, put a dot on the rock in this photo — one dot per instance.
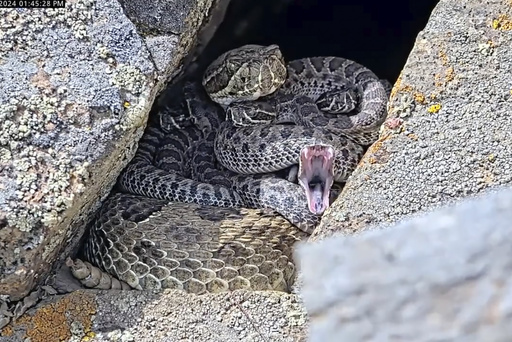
[448, 133]
[78, 86]
[161, 22]
[170, 316]
[447, 137]
[441, 277]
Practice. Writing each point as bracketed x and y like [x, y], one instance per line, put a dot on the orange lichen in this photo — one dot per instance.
[394, 90]
[7, 331]
[437, 80]
[444, 58]
[52, 322]
[376, 146]
[441, 79]
[412, 136]
[449, 75]
[405, 88]
[377, 153]
[398, 87]
[502, 23]
[419, 97]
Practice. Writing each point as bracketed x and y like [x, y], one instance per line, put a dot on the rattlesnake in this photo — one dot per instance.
[165, 233]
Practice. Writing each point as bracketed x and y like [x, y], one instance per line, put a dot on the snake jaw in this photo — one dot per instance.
[316, 175]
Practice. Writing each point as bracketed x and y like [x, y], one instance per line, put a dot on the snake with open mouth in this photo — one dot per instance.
[193, 208]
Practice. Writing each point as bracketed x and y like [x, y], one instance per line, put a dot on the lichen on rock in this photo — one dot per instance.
[62, 115]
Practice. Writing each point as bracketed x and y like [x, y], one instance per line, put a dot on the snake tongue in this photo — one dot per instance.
[316, 175]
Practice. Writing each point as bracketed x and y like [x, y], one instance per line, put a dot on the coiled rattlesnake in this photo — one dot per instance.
[166, 233]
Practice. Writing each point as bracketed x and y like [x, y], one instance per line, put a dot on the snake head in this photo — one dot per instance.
[245, 73]
[316, 175]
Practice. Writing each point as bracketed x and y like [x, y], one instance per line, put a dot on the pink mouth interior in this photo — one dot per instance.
[316, 176]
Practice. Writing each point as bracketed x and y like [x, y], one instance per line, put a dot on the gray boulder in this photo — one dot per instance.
[77, 86]
[448, 133]
[441, 277]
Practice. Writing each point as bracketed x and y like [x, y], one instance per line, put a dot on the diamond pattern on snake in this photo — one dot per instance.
[228, 178]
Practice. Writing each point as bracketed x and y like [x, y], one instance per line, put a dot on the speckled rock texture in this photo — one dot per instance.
[441, 277]
[161, 22]
[167, 317]
[77, 85]
[449, 130]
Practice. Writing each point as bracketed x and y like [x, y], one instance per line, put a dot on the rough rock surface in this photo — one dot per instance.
[441, 277]
[77, 85]
[71, 96]
[171, 316]
[161, 22]
[449, 132]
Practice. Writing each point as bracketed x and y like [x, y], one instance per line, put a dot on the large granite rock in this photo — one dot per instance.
[77, 85]
[441, 277]
[449, 132]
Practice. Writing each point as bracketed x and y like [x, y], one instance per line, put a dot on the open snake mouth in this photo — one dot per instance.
[316, 175]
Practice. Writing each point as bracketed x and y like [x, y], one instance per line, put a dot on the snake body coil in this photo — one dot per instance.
[198, 202]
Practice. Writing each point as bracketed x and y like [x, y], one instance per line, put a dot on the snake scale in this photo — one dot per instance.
[203, 206]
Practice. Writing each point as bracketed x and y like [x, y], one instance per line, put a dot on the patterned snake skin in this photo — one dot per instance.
[183, 221]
